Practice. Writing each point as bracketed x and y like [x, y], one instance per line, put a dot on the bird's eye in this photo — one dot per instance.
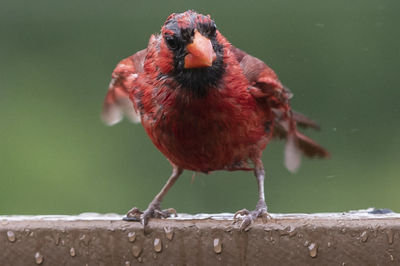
[171, 42]
[213, 29]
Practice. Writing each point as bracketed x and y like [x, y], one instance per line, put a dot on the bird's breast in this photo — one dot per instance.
[219, 131]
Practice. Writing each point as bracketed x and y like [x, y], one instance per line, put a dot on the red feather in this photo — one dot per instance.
[226, 128]
[221, 131]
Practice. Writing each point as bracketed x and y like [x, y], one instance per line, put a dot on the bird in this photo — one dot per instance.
[207, 106]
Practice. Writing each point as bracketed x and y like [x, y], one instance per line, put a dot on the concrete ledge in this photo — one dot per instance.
[353, 238]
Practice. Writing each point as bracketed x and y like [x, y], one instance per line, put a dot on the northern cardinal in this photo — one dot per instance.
[206, 105]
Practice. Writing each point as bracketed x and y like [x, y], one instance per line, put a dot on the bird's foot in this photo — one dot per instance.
[246, 217]
[153, 211]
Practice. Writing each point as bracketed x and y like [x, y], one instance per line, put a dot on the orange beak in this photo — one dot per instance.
[201, 52]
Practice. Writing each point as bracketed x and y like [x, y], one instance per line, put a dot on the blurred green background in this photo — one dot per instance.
[340, 58]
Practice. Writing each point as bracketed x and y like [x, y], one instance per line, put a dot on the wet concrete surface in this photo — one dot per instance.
[352, 238]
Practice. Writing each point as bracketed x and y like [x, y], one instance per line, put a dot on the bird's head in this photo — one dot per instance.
[191, 40]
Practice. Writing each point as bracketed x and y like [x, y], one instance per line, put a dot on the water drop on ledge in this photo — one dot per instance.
[313, 250]
[72, 252]
[11, 236]
[217, 245]
[132, 236]
[169, 233]
[364, 236]
[38, 258]
[157, 245]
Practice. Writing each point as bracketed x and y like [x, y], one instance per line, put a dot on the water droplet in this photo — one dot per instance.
[132, 236]
[169, 232]
[127, 263]
[390, 236]
[364, 236]
[217, 245]
[306, 243]
[38, 258]
[313, 249]
[343, 231]
[140, 259]
[72, 252]
[11, 236]
[136, 250]
[157, 245]
[85, 239]
[329, 244]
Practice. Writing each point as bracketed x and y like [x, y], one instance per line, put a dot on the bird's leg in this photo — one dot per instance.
[247, 217]
[154, 210]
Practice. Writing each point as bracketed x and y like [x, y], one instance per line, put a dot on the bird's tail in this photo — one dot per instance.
[296, 142]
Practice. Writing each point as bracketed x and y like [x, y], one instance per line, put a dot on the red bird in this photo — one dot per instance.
[207, 106]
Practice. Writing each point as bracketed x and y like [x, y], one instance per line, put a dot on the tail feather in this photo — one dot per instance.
[303, 121]
[292, 154]
[296, 142]
[310, 148]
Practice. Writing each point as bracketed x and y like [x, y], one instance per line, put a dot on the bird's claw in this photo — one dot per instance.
[246, 217]
[133, 214]
[241, 212]
[165, 213]
[153, 211]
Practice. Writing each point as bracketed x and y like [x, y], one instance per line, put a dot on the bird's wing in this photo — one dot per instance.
[266, 86]
[117, 102]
